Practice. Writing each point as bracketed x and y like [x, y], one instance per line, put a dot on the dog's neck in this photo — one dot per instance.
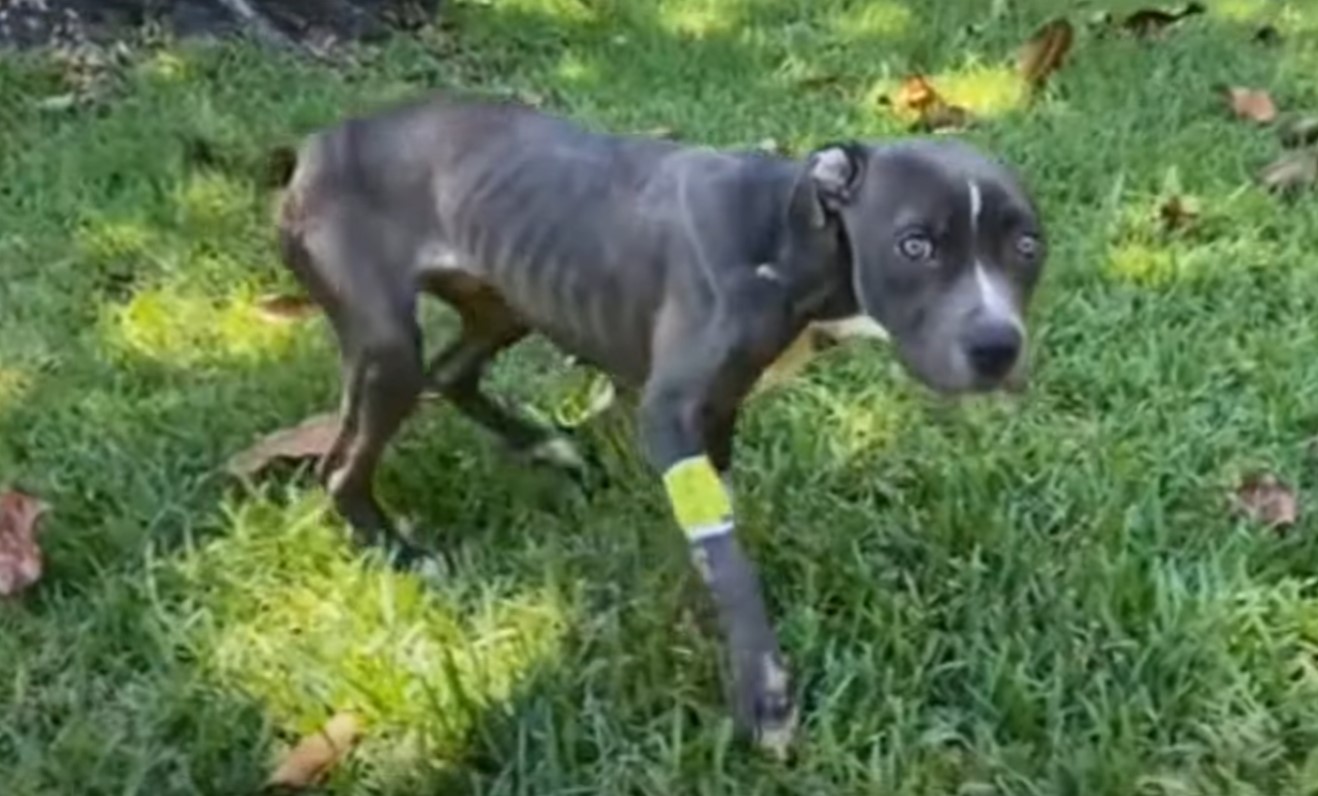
[815, 267]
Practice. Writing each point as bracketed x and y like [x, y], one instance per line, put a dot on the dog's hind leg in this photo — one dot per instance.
[383, 382]
[489, 326]
[374, 322]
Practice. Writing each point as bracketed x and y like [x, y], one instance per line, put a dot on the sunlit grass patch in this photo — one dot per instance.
[559, 10]
[698, 18]
[113, 240]
[172, 325]
[292, 615]
[166, 66]
[575, 69]
[872, 20]
[213, 202]
[117, 253]
[1142, 264]
[864, 423]
[985, 90]
[14, 384]
[1242, 10]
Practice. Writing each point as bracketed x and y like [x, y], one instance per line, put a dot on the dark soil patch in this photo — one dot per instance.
[316, 24]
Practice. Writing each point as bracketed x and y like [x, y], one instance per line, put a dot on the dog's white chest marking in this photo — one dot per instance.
[814, 338]
[856, 326]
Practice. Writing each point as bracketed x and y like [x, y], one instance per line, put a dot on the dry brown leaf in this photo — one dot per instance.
[1046, 51]
[1253, 104]
[1293, 171]
[286, 307]
[20, 556]
[1178, 213]
[309, 439]
[1264, 498]
[917, 96]
[1150, 22]
[308, 762]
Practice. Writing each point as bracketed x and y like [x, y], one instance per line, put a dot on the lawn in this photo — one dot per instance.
[1046, 595]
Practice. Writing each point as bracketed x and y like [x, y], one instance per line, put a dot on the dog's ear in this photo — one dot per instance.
[836, 170]
[831, 176]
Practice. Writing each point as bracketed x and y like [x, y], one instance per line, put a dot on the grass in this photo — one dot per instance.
[1049, 596]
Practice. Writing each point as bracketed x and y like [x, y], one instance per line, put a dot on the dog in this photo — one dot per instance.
[683, 272]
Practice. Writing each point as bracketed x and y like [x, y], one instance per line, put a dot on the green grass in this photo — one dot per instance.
[1047, 596]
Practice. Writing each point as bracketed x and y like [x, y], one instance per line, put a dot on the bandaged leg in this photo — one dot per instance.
[702, 505]
[700, 498]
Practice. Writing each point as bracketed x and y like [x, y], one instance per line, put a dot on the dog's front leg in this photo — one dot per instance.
[690, 401]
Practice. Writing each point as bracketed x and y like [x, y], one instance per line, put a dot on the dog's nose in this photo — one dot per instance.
[992, 347]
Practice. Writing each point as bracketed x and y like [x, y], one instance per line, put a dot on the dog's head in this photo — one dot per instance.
[944, 248]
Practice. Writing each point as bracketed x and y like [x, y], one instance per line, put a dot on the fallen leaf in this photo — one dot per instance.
[772, 146]
[1293, 171]
[1299, 131]
[309, 439]
[1251, 103]
[917, 96]
[1178, 213]
[20, 557]
[1264, 498]
[1149, 22]
[308, 762]
[286, 306]
[1045, 51]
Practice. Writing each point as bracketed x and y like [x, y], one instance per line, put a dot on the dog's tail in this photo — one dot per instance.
[280, 172]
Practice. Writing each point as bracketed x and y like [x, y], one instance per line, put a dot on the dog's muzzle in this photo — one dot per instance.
[993, 346]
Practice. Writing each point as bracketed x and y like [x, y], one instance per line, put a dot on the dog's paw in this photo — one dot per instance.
[403, 555]
[766, 711]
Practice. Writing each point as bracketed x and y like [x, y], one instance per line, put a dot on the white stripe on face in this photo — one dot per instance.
[995, 302]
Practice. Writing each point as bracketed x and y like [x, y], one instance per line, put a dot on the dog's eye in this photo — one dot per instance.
[1028, 246]
[916, 247]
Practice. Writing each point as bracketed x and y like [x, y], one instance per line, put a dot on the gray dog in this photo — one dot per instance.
[682, 272]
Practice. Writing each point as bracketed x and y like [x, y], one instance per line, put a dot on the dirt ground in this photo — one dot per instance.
[315, 23]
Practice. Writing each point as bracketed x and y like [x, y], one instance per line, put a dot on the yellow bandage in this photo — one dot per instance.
[699, 500]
